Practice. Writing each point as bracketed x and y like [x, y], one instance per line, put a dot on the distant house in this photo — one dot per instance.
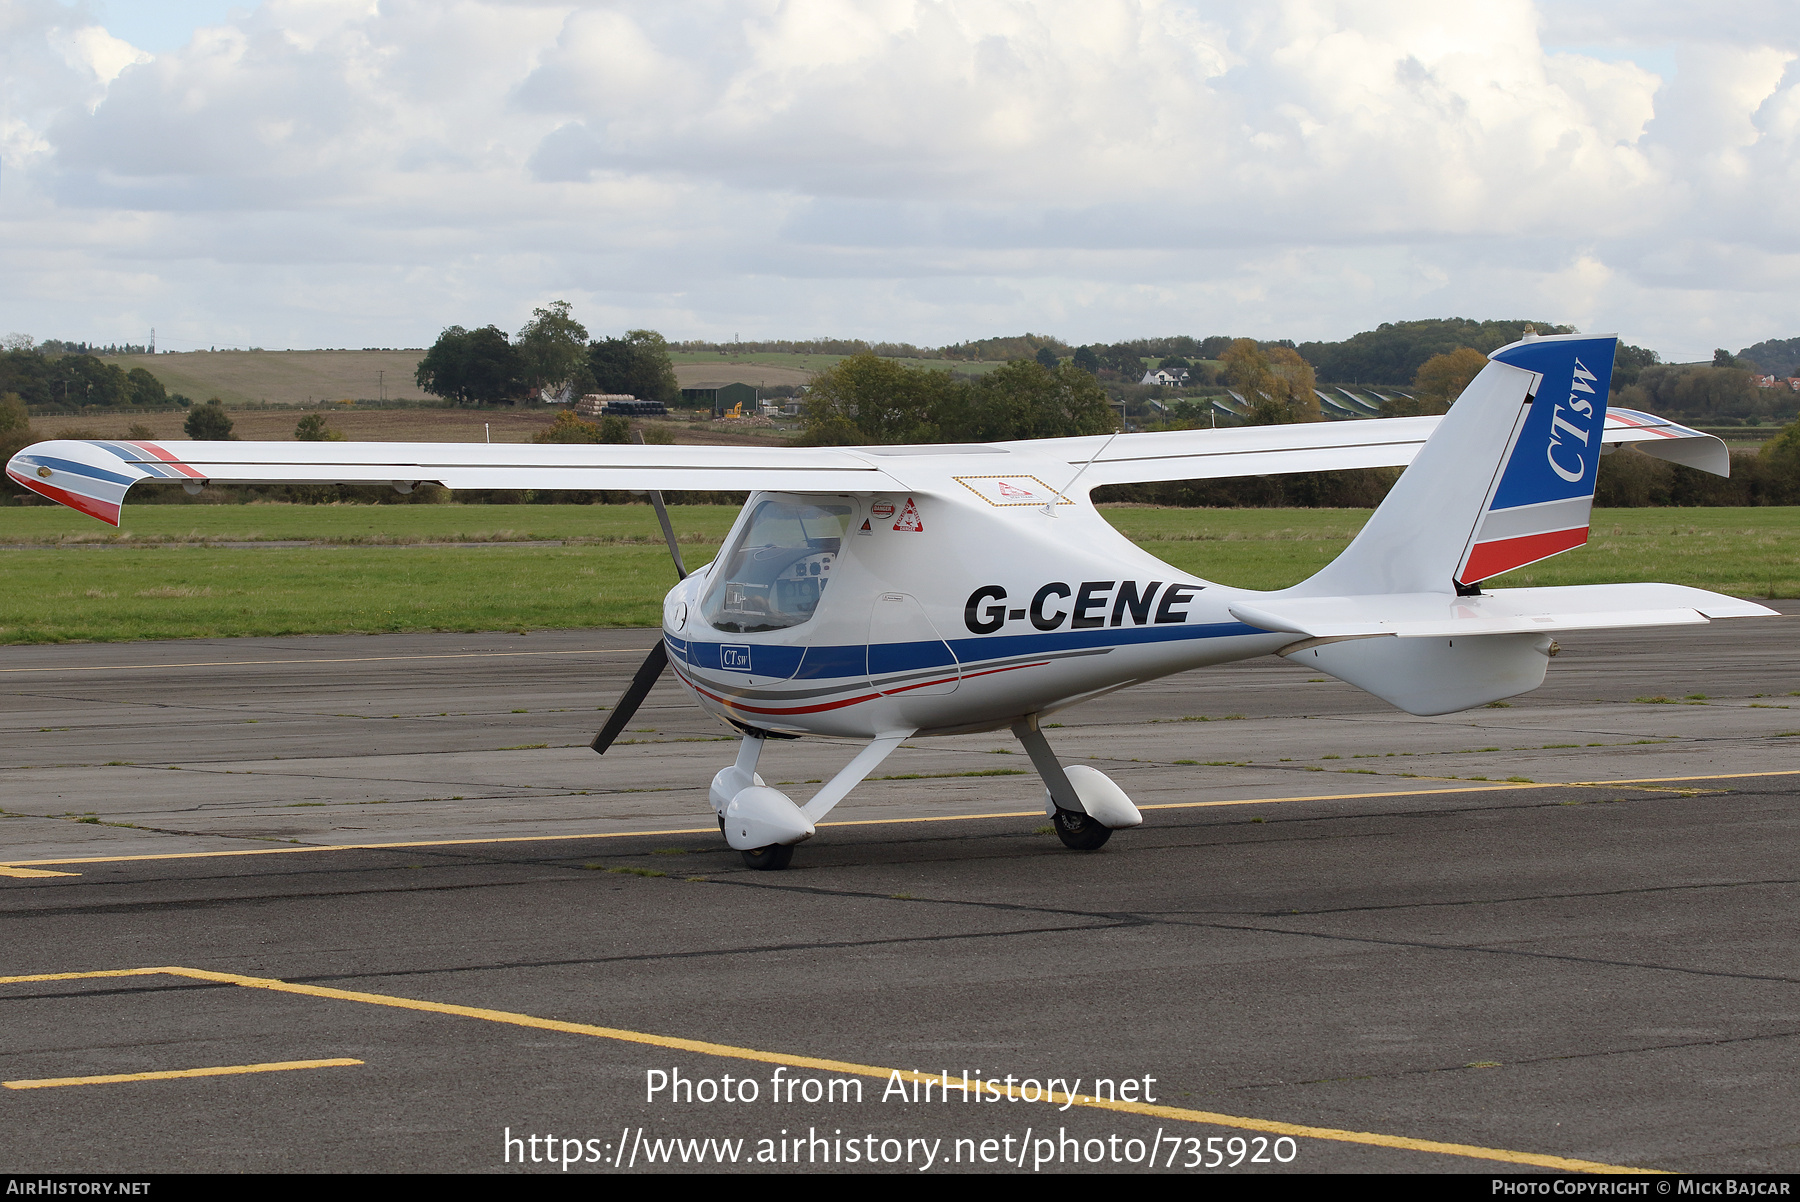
[1164, 377]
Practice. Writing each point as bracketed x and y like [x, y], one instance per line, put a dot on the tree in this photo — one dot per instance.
[868, 399]
[636, 365]
[146, 389]
[1701, 393]
[1775, 357]
[209, 423]
[312, 428]
[1047, 358]
[1440, 380]
[15, 430]
[1087, 360]
[1629, 363]
[478, 367]
[1393, 352]
[570, 428]
[1123, 358]
[1276, 383]
[553, 351]
[1025, 400]
[1780, 463]
[81, 380]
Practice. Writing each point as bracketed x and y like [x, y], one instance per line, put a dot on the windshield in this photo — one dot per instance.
[776, 572]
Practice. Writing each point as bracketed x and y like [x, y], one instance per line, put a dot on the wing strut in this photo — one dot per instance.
[652, 668]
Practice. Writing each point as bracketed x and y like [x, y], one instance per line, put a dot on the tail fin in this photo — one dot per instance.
[1505, 480]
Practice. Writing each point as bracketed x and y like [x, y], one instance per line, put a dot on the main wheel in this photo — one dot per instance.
[774, 857]
[1078, 831]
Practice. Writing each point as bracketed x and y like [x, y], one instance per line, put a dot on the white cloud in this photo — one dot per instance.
[341, 172]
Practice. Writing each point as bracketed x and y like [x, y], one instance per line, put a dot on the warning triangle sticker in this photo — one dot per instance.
[866, 528]
[1009, 490]
[909, 519]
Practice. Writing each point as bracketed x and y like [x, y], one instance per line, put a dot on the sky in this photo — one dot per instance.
[347, 173]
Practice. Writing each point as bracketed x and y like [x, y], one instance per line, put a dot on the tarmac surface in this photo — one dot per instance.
[1554, 935]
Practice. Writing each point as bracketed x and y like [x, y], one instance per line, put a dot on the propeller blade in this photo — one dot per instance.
[641, 684]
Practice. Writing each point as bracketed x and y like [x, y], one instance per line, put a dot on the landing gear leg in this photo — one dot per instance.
[1085, 814]
[751, 812]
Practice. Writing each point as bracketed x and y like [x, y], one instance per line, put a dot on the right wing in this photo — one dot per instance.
[94, 476]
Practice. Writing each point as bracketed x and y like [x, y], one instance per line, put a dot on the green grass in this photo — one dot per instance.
[375, 572]
[369, 525]
[1744, 552]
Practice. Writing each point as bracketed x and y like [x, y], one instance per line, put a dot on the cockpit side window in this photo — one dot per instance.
[773, 576]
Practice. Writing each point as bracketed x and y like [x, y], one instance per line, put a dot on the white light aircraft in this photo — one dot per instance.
[896, 592]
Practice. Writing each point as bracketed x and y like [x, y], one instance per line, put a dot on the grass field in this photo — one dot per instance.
[391, 425]
[283, 377]
[387, 568]
[315, 377]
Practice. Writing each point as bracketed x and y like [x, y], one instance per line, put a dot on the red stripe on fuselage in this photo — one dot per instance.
[104, 510]
[1505, 554]
[834, 705]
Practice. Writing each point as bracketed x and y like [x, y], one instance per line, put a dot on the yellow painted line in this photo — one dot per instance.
[1494, 787]
[282, 851]
[360, 659]
[9, 870]
[733, 1052]
[226, 1070]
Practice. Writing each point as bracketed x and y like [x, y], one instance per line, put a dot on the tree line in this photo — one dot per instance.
[867, 399]
[48, 380]
[551, 359]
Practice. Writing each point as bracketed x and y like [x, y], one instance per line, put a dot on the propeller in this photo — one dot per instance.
[652, 668]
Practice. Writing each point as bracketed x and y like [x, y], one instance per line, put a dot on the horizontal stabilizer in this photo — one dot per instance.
[1503, 611]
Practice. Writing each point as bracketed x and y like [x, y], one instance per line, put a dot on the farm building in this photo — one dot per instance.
[723, 398]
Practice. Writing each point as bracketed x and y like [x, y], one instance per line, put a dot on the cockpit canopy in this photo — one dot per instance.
[774, 574]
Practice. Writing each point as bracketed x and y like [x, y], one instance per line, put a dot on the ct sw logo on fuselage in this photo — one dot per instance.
[1088, 605]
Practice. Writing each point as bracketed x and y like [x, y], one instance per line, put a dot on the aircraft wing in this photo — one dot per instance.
[1326, 446]
[94, 475]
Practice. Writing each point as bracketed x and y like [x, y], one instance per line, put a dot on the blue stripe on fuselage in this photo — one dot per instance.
[858, 662]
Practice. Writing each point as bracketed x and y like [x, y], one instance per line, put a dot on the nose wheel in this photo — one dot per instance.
[1078, 831]
[768, 859]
